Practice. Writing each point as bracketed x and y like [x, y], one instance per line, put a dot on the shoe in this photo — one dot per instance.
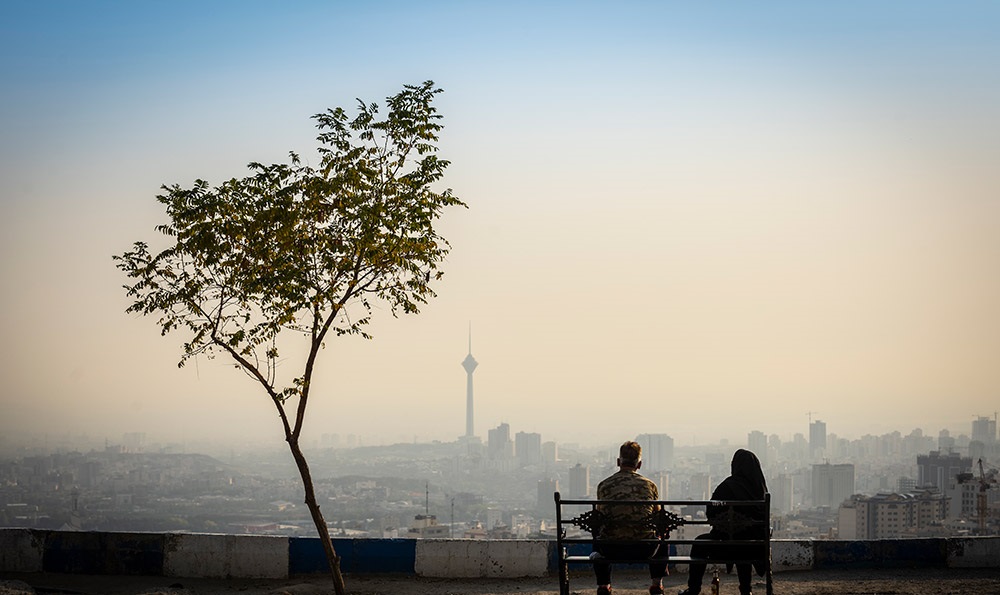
[604, 591]
[656, 591]
[689, 592]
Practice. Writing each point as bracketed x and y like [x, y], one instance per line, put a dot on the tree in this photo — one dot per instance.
[293, 251]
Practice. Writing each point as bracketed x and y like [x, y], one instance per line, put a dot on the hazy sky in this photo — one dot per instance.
[692, 218]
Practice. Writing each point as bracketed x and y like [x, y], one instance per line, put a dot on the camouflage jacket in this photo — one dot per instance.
[626, 485]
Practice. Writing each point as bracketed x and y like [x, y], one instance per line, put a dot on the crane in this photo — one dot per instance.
[981, 508]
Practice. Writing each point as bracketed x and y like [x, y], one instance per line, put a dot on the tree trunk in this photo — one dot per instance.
[310, 500]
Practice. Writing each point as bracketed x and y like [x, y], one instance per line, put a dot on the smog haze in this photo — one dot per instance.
[690, 219]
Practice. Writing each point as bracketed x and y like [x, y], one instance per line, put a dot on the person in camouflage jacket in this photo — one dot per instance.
[625, 521]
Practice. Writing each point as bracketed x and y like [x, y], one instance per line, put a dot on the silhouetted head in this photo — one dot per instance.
[630, 455]
[746, 468]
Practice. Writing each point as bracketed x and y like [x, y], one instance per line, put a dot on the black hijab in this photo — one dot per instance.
[747, 472]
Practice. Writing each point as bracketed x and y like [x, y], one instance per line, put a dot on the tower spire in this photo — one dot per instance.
[469, 363]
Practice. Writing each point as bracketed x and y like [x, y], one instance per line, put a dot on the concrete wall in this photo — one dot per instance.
[223, 556]
[21, 550]
[973, 552]
[471, 558]
[255, 556]
[791, 555]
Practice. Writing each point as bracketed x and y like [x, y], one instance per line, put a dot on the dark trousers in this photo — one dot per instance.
[609, 552]
[696, 572]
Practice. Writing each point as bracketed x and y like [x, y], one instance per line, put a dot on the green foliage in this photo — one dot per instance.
[291, 247]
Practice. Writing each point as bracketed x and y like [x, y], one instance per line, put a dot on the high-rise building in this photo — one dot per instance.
[800, 447]
[579, 481]
[499, 445]
[700, 486]
[977, 450]
[965, 492]
[662, 481]
[888, 516]
[550, 452]
[984, 430]
[657, 452]
[935, 469]
[946, 442]
[757, 444]
[832, 484]
[546, 490]
[817, 439]
[905, 485]
[782, 493]
[528, 448]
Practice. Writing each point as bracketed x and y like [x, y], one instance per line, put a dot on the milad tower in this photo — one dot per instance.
[469, 363]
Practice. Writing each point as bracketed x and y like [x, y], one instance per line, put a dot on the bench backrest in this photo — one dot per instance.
[730, 520]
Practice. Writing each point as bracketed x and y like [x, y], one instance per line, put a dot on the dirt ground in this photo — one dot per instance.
[924, 581]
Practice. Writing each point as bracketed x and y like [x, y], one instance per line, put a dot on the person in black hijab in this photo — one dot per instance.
[746, 483]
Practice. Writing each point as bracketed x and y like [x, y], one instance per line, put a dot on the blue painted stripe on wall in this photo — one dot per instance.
[363, 556]
[909, 553]
[397, 556]
[882, 553]
[553, 554]
[306, 556]
[144, 553]
[574, 549]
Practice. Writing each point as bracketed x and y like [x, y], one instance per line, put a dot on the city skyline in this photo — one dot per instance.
[683, 219]
[945, 440]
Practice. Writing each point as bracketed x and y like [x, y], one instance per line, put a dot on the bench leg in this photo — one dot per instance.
[767, 576]
[563, 574]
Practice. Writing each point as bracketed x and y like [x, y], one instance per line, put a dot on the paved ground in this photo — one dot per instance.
[922, 581]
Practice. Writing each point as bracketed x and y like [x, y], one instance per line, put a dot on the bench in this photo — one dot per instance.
[589, 519]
